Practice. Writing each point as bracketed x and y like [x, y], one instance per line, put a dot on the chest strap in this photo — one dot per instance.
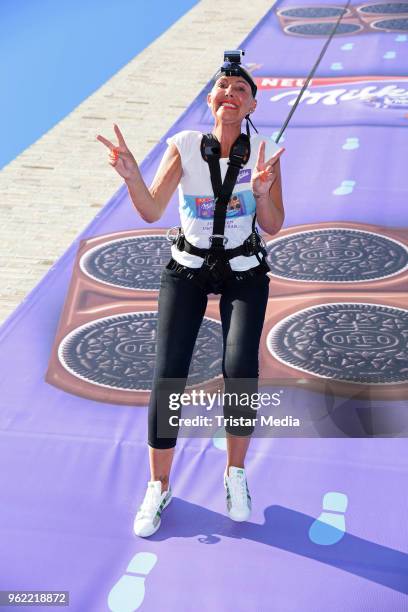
[217, 257]
[211, 153]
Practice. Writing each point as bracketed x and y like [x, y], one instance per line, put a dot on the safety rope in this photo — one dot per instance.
[313, 70]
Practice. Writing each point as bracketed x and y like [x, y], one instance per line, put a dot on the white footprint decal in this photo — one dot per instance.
[347, 47]
[219, 439]
[390, 55]
[401, 38]
[351, 144]
[128, 593]
[336, 66]
[345, 188]
[330, 527]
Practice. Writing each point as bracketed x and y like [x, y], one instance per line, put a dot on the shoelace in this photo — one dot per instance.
[238, 489]
[150, 502]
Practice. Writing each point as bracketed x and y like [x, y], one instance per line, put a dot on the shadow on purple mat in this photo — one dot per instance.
[288, 530]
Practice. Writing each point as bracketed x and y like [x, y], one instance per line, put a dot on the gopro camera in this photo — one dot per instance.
[234, 57]
[232, 67]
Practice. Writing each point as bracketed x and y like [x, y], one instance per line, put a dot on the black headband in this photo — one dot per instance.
[233, 69]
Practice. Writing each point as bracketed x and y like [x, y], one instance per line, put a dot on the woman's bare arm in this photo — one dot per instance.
[269, 207]
[267, 189]
[150, 203]
[167, 178]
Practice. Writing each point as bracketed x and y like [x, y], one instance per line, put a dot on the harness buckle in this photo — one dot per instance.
[171, 237]
[253, 244]
[235, 160]
[216, 269]
[260, 239]
[262, 244]
[224, 238]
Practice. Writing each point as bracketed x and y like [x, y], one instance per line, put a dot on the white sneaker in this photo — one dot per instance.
[238, 497]
[148, 519]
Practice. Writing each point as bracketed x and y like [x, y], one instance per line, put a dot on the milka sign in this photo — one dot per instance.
[328, 92]
[335, 96]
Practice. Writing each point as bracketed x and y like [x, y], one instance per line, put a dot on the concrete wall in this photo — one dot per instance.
[50, 192]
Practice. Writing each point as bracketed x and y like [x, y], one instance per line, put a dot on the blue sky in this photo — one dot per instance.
[55, 53]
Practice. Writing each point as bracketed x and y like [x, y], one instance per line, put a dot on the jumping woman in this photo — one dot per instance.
[226, 180]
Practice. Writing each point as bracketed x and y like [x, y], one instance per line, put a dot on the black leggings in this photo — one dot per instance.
[181, 307]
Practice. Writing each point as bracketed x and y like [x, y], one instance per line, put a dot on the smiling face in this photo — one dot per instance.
[231, 99]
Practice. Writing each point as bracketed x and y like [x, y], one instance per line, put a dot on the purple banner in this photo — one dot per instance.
[325, 511]
[366, 43]
[331, 101]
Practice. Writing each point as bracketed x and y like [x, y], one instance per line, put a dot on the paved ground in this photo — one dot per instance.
[53, 189]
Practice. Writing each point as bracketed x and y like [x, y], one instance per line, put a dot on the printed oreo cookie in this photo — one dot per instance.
[384, 8]
[397, 24]
[134, 263]
[119, 352]
[323, 28]
[350, 342]
[336, 255]
[312, 12]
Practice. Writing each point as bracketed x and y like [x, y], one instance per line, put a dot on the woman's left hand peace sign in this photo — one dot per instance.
[264, 175]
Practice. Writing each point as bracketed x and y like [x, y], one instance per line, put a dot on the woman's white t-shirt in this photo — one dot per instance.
[196, 199]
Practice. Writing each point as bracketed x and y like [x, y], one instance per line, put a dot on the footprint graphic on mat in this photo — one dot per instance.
[390, 55]
[401, 38]
[351, 143]
[330, 526]
[219, 439]
[345, 188]
[128, 593]
[336, 66]
[347, 47]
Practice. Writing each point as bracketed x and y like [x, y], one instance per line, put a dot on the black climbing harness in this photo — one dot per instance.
[216, 258]
[216, 264]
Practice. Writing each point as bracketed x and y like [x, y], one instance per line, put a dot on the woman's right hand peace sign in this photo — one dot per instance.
[120, 156]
